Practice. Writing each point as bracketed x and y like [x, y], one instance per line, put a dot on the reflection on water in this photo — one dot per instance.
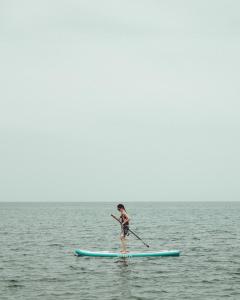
[124, 277]
[38, 241]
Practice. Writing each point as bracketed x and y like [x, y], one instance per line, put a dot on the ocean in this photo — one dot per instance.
[37, 243]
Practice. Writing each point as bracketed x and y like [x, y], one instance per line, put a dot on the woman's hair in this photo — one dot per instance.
[121, 206]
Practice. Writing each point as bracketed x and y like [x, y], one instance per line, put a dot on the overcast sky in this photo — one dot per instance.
[119, 100]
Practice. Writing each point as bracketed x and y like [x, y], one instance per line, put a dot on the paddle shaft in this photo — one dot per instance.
[132, 232]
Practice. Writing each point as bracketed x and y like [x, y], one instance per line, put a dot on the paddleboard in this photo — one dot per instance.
[80, 252]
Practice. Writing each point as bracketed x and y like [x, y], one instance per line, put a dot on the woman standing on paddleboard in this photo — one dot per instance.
[124, 219]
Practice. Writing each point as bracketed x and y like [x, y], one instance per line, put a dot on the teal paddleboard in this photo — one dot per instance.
[81, 252]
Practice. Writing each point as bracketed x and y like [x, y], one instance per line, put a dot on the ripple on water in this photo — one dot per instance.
[37, 258]
[13, 283]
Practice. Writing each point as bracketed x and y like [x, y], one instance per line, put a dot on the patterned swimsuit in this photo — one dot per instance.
[125, 227]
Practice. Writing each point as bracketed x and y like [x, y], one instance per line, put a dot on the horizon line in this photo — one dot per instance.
[142, 201]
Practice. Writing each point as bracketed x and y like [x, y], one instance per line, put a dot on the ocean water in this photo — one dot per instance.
[37, 243]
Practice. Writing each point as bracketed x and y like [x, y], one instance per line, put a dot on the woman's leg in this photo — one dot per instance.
[123, 243]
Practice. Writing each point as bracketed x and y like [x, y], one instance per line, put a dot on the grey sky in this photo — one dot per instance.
[119, 100]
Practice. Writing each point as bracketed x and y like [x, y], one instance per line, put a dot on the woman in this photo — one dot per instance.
[124, 219]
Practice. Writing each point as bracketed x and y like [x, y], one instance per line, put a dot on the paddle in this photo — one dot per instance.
[131, 232]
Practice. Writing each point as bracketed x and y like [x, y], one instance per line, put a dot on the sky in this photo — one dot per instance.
[132, 100]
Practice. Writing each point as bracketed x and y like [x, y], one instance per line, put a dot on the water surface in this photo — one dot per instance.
[38, 241]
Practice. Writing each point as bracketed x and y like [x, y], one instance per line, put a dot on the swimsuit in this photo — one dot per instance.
[125, 227]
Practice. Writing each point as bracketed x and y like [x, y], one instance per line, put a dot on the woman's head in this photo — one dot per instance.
[120, 207]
